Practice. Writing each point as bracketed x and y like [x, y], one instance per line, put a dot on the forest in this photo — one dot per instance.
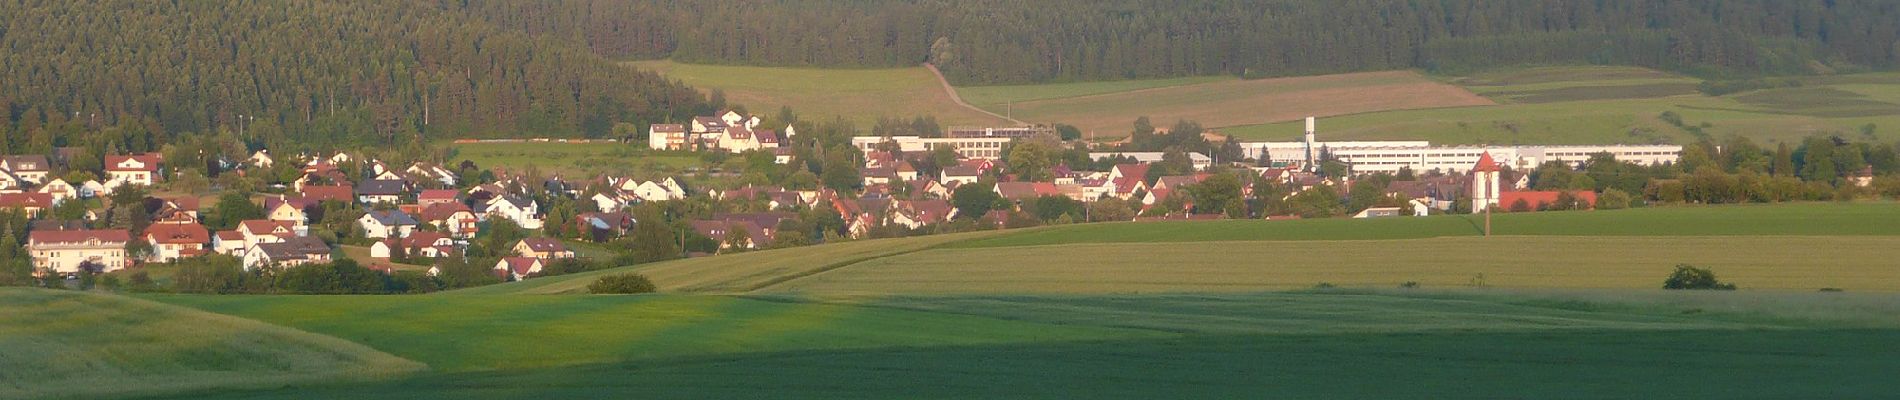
[297, 74]
[1004, 41]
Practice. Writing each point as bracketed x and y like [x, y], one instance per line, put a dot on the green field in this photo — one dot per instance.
[1567, 307]
[998, 99]
[1597, 105]
[1356, 345]
[859, 95]
[76, 345]
[574, 160]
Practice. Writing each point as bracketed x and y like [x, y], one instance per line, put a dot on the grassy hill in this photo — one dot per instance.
[75, 345]
[1594, 105]
[1318, 344]
[860, 95]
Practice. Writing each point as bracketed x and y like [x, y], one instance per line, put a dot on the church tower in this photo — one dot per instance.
[1312, 160]
[1484, 183]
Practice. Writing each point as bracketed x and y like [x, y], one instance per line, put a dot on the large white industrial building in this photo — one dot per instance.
[1367, 157]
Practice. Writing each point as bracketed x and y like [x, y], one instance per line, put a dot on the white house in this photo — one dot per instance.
[517, 268]
[379, 224]
[31, 169]
[291, 252]
[139, 170]
[174, 241]
[522, 211]
[424, 244]
[66, 251]
[60, 190]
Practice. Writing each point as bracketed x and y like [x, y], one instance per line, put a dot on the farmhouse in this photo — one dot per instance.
[67, 252]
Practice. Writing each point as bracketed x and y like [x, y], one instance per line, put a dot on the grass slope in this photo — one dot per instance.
[472, 333]
[736, 273]
[1300, 345]
[859, 95]
[1753, 262]
[998, 99]
[59, 344]
[1600, 105]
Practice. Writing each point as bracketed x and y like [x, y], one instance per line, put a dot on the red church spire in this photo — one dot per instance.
[1486, 164]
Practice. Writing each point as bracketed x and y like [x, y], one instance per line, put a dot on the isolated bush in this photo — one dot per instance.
[621, 284]
[1613, 199]
[1692, 278]
[1409, 285]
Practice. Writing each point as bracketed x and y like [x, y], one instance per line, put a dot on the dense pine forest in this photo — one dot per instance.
[1012, 41]
[129, 76]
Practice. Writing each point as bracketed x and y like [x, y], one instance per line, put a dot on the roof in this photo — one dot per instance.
[518, 265]
[297, 202]
[766, 136]
[961, 170]
[342, 193]
[186, 203]
[667, 128]
[26, 200]
[1022, 190]
[178, 234]
[544, 245]
[376, 187]
[148, 160]
[443, 211]
[710, 122]
[438, 195]
[294, 248]
[112, 237]
[1486, 164]
[25, 163]
[1538, 199]
[1409, 189]
[612, 220]
[391, 217]
[418, 240]
[233, 235]
[264, 226]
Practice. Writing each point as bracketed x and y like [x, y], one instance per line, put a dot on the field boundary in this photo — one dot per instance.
[958, 98]
[837, 266]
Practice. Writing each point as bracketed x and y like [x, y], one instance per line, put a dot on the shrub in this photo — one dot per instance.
[1613, 199]
[621, 284]
[1409, 285]
[1692, 278]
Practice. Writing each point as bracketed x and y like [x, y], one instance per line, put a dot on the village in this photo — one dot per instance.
[423, 214]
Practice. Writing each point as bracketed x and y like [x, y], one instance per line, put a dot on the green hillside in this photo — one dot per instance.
[858, 95]
[1393, 345]
[58, 344]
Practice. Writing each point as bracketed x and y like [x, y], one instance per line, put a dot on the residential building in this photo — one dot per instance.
[171, 242]
[379, 224]
[32, 169]
[420, 244]
[381, 191]
[33, 204]
[139, 170]
[517, 268]
[67, 251]
[453, 218]
[544, 248]
[290, 252]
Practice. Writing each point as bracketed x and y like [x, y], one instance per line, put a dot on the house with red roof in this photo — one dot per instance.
[419, 244]
[517, 268]
[437, 196]
[67, 251]
[171, 242]
[33, 204]
[454, 218]
[1127, 179]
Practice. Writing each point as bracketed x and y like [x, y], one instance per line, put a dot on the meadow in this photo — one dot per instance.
[858, 95]
[1600, 105]
[1245, 102]
[574, 160]
[79, 345]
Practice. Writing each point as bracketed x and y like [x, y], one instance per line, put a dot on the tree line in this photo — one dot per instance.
[1000, 41]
